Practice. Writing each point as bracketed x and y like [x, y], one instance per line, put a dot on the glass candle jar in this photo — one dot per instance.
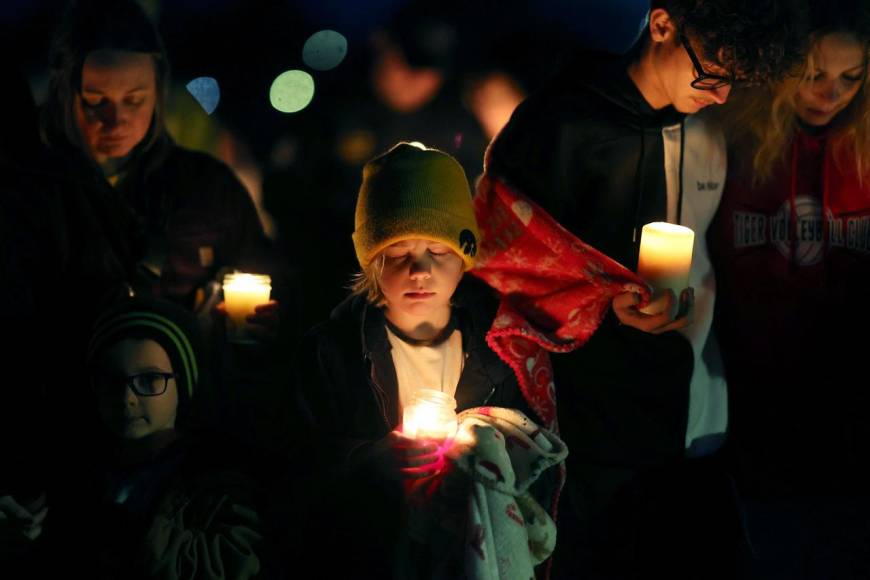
[431, 414]
[242, 293]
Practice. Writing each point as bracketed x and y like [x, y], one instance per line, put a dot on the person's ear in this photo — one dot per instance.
[661, 27]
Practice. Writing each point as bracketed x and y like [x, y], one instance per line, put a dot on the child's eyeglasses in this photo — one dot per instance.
[148, 384]
[704, 81]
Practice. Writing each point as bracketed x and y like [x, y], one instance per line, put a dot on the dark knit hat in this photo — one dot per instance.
[414, 192]
[167, 324]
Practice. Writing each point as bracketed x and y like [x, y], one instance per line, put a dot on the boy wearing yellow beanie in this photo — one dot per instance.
[413, 322]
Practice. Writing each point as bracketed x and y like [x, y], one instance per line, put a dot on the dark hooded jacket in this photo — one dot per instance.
[348, 395]
[589, 149]
[175, 218]
[349, 391]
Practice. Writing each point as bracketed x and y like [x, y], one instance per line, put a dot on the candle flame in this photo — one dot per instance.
[427, 421]
[247, 282]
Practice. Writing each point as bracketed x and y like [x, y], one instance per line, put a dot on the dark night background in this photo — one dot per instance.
[303, 169]
[245, 44]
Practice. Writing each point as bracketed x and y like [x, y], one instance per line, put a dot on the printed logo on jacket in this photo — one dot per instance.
[844, 231]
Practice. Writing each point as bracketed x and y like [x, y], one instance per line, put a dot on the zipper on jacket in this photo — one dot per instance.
[489, 396]
[377, 392]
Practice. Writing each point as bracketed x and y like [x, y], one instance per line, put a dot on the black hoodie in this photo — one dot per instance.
[348, 395]
[589, 150]
[349, 390]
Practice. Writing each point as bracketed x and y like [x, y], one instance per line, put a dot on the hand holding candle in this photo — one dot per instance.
[428, 427]
[430, 415]
[242, 294]
[665, 258]
[409, 458]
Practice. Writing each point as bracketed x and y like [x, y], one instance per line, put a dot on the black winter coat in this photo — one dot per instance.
[347, 380]
[589, 149]
[174, 220]
[348, 395]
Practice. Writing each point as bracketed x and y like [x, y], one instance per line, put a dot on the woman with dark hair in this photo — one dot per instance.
[791, 246]
[165, 221]
[174, 217]
[92, 34]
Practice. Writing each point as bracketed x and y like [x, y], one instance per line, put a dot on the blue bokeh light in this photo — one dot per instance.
[206, 92]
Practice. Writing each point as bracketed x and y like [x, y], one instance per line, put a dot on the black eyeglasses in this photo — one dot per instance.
[704, 81]
[148, 384]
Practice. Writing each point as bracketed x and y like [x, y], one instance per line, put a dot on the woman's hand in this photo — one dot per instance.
[626, 310]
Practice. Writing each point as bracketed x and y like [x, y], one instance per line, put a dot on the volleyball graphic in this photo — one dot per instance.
[809, 246]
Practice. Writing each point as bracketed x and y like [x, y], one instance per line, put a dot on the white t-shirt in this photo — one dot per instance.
[426, 367]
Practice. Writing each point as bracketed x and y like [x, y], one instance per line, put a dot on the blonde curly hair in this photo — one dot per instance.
[764, 119]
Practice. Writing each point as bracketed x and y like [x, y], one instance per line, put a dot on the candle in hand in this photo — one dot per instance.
[430, 415]
[242, 293]
[665, 257]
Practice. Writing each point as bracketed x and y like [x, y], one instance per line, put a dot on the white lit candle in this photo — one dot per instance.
[242, 293]
[430, 415]
[665, 257]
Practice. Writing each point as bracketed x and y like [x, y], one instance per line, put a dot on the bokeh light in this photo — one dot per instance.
[291, 91]
[324, 50]
[206, 92]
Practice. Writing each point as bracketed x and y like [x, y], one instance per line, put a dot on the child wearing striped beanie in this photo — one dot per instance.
[145, 361]
[172, 495]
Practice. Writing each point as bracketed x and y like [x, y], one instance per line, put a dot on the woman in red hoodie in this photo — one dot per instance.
[791, 250]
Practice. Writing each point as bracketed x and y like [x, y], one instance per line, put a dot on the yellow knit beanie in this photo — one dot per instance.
[413, 192]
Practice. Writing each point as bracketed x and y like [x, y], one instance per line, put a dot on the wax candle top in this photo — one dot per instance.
[242, 282]
[670, 229]
[665, 257]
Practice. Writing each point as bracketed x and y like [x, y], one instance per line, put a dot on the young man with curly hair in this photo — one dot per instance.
[610, 145]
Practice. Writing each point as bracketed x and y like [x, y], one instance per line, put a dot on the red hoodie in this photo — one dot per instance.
[792, 261]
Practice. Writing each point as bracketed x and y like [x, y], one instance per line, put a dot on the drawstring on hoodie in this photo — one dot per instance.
[826, 173]
[792, 196]
[638, 182]
[826, 190]
[792, 199]
[682, 155]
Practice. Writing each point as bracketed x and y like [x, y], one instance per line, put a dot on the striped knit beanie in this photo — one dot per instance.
[167, 324]
[413, 192]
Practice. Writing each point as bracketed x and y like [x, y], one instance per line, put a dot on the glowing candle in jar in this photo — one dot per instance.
[665, 257]
[242, 293]
[430, 415]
